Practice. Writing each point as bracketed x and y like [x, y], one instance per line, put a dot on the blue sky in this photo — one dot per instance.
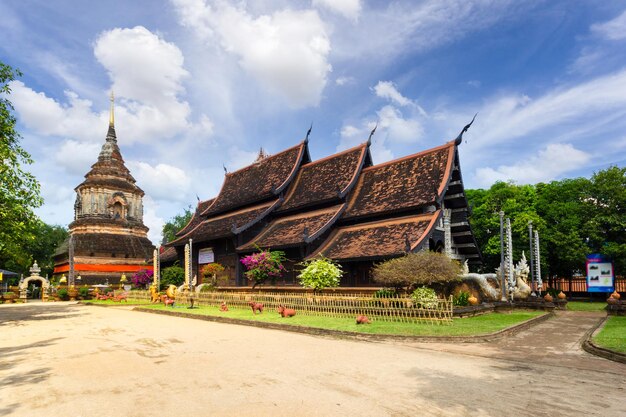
[201, 84]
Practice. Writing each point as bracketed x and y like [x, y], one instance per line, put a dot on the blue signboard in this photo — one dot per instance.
[600, 277]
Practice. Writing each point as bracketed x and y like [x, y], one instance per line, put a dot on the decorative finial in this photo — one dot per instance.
[459, 138]
[112, 115]
[369, 140]
[306, 140]
[225, 170]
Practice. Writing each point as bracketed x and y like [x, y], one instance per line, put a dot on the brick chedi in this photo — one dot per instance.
[108, 235]
[342, 207]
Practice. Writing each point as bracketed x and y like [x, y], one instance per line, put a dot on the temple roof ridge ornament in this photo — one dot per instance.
[459, 138]
[369, 139]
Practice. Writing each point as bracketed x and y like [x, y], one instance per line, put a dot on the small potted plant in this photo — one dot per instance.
[9, 297]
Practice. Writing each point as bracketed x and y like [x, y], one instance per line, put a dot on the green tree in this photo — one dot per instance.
[46, 239]
[606, 205]
[19, 190]
[560, 205]
[175, 224]
[173, 275]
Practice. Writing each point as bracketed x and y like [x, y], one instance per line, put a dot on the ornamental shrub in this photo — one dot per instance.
[461, 299]
[63, 293]
[83, 292]
[209, 271]
[415, 269]
[425, 297]
[173, 275]
[264, 265]
[320, 273]
[142, 278]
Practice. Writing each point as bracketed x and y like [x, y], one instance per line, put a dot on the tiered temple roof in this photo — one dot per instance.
[262, 180]
[341, 206]
[296, 229]
[375, 240]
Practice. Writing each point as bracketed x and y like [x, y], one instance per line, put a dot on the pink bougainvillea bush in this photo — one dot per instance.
[142, 278]
[264, 265]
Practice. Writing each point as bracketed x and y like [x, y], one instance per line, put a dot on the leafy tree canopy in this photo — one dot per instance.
[176, 223]
[19, 190]
[574, 217]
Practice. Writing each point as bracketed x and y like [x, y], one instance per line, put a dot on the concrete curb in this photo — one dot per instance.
[509, 331]
[590, 347]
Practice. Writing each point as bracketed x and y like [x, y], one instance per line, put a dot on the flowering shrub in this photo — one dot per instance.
[142, 278]
[211, 269]
[425, 297]
[263, 265]
[320, 273]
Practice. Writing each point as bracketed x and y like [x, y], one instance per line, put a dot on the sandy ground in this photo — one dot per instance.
[60, 359]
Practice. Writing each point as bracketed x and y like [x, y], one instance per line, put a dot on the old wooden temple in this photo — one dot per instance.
[342, 207]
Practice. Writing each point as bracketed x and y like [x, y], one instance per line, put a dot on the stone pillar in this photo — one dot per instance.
[447, 232]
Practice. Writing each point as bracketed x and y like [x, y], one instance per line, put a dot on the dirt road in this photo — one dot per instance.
[71, 360]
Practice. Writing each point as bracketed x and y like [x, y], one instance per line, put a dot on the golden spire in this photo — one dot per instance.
[112, 115]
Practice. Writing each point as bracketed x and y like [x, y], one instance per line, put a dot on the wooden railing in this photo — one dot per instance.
[579, 284]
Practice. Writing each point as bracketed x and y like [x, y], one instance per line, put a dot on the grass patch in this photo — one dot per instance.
[470, 326]
[116, 303]
[586, 305]
[613, 334]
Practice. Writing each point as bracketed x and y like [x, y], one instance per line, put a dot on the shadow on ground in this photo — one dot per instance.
[18, 315]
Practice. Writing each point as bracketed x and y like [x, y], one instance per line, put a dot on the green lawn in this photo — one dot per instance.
[483, 324]
[116, 303]
[613, 335]
[586, 305]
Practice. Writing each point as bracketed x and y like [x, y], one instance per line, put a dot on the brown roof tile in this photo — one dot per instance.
[290, 230]
[168, 254]
[222, 225]
[326, 179]
[261, 180]
[404, 183]
[378, 239]
[196, 218]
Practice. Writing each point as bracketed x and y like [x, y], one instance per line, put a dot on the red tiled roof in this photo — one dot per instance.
[326, 179]
[404, 183]
[196, 218]
[259, 181]
[290, 230]
[227, 224]
[378, 239]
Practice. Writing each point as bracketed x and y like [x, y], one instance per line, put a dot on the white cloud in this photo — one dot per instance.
[347, 8]
[548, 164]
[76, 157]
[514, 116]
[345, 80]
[46, 116]
[147, 74]
[397, 128]
[399, 27]
[153, 220]
[162, 182]
[614, 29]
[286, 51]
[387, 89]
[142, 66]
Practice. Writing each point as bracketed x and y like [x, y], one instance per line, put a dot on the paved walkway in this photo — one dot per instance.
[552, 342]
[59, 359]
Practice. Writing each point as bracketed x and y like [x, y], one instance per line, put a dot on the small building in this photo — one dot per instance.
[342, 207]
[107, 237]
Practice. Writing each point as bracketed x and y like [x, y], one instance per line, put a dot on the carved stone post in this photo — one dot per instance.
[538, 263]
[447, 233]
